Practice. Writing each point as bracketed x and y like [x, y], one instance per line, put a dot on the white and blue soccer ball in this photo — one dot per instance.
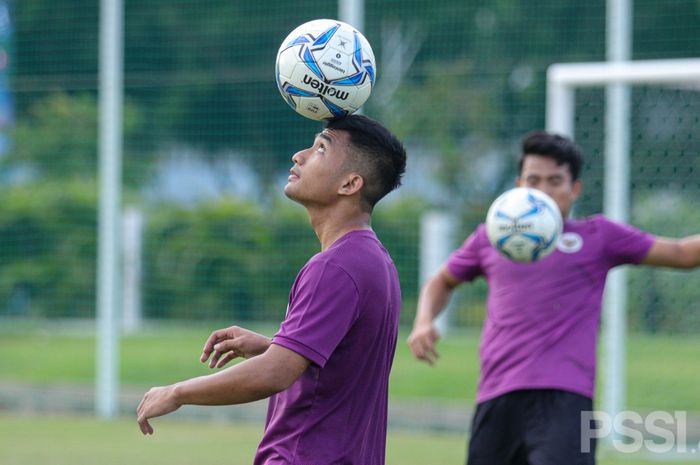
[325, 69]
[524, 224]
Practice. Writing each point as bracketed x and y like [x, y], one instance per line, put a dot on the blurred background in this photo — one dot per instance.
[208, 239]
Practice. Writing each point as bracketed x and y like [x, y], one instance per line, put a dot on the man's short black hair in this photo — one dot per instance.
[559, 148]
[375, 153]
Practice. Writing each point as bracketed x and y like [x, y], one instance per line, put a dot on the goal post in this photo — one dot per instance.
[562, 82]
[564, 78]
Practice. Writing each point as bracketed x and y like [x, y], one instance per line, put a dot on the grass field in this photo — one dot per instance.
[662, 371]
[60, 440]
[83, 441]
[661, 375]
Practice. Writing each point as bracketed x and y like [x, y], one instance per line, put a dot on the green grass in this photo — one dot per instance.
[661, 375]
[82, 441]
[662, 372]
[63, 440]
[661, 369]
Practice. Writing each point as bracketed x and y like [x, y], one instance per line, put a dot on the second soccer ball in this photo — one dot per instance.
[524, 224]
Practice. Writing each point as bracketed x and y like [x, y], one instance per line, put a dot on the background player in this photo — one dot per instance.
[538, 345]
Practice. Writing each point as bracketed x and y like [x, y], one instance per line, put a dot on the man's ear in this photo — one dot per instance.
[576, 189]
[352, 183]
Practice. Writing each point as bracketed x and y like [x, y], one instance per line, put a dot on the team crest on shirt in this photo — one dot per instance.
[570, 242]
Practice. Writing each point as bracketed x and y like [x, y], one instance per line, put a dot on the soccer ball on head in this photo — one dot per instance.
[325, 69]
[524, 224]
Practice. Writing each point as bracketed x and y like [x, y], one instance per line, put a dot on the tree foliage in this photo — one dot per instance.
[204, 75]
[58, 139]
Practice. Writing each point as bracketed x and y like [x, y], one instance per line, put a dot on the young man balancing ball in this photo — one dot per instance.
[326, 370]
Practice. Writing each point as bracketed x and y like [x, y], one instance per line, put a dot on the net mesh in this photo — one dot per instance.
[208, 142]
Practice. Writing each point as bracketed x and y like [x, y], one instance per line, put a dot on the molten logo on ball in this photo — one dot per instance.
[324, 89]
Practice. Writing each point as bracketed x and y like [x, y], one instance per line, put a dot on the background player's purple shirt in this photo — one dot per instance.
[542, 318]
[343, 316]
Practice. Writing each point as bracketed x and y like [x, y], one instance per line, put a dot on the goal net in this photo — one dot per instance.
[637, 123]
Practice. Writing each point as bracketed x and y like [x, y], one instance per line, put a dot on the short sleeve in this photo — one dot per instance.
[323, 306]
[465, 262]
[625, 244]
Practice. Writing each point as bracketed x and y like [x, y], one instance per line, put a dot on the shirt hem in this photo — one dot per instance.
[480, 398]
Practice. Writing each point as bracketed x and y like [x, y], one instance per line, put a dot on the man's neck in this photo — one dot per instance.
[332, 225]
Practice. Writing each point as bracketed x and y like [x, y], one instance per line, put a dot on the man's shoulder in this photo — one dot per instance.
[595, 223]
[327, 271]
[360, 251]
[592, 223]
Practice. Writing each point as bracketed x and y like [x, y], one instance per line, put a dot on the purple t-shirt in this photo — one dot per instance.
[343, 316]
[542, 318]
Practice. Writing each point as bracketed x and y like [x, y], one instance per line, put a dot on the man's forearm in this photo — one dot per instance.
[432, 301]
[251, 380]
[675, 253]
[691, 247]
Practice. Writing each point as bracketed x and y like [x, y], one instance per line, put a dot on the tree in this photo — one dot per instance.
[58, 139]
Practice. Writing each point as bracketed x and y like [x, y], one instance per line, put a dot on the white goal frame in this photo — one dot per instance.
[616, 76]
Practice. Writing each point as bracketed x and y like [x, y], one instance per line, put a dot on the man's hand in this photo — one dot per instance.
[226, 344]
[156, 402]
[422, 341]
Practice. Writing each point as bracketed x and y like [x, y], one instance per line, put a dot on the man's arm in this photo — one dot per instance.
[674, 253]
[253, 379]
[432, 301]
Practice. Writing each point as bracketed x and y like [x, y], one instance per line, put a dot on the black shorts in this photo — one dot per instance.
[530, 427]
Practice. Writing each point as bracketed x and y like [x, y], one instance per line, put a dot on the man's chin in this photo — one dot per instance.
[288, 191]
